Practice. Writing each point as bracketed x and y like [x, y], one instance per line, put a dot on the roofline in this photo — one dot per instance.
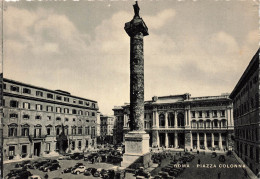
[246, 73]
[45, 89]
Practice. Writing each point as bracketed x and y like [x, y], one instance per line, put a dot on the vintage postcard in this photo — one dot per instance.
[110, 89]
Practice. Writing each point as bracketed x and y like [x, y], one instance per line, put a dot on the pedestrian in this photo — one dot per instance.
[219, 173]
[198, 161]
[198, 151]
[46, 176]
[245, 173]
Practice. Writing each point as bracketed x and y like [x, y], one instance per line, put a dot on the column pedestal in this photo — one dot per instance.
[136, 147]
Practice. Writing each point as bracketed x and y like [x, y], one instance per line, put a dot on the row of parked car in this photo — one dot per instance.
[45, 165]
[79, 168]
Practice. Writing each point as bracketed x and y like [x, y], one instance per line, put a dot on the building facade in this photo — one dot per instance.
[245, 98]
[34, 117]
[182, 122]
[119, 125]
[106, 128]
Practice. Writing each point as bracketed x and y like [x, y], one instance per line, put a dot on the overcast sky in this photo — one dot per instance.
[200, 47]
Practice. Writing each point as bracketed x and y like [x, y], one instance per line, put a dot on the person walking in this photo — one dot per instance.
[219, 173]
[198, 161]
[46, 176]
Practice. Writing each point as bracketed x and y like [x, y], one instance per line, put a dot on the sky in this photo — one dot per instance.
[197, 47]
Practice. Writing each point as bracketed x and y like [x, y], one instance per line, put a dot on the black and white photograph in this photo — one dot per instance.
[125, 89]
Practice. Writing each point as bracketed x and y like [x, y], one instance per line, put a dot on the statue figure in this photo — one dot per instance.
[136, 9]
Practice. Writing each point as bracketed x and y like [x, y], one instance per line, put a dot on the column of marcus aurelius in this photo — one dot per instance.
[136, 141]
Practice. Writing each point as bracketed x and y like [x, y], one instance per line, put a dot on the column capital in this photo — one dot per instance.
[136, 26]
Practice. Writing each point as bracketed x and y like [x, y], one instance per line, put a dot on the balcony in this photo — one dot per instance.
[35, 137]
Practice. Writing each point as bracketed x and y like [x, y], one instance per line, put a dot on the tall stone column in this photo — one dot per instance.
[191, 140]
[198, 141]
[137, 140]
[166, 120]
[212, 140]
[205, 141]
[175, 119]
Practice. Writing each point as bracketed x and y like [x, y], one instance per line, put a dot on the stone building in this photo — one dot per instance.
[35, 117]
[184, 122]
[245, 98]
[119, 125]
[106, 128]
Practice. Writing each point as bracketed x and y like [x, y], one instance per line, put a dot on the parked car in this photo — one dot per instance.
[68, 170]
[21, 175]
[79, 164]
[87, 172]
[14, 173]
[52, 167]
[79, 170]
[77, 156]
[142, 172]
[92, 170]
[97, 174]
[35, 177]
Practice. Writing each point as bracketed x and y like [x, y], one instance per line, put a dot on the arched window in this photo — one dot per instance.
[201, 124]
[180, 118]
[215, 123]
[161, 120]
[207, 123]
[74, 111]
[171, 119]
[223, 123]
[193, 124]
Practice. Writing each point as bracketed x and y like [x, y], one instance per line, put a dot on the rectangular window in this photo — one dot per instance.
[58, 97]
[25, 131]
[26, 91]
[222, 113]
[49, 95]
[93, 105]
[14, 88]
[86, 130]
[12, 131]
[49, 108]
[48, 131]
[26, 116]
[39, 93]
[48, 118]
[200, 113]
[14, 104]
[58, 109]
[13, 115]
[66, 99]
[215, 113]
[66, 110]
[193, 114]
[38, 107]
[74, 100]
[66, 119]
[80, 131]
[93, 114]
[79, 145]
[48, 147]
[207, 113]
[26, 105]
[80, 102]
[87, 103]
[87, 113]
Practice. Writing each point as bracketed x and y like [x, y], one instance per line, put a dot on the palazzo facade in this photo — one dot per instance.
[34, 117]
[246, 100]
[185, 122]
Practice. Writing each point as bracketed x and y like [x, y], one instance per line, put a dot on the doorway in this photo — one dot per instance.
[37, 148]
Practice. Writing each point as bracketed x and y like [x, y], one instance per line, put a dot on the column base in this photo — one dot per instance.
[136, 150]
